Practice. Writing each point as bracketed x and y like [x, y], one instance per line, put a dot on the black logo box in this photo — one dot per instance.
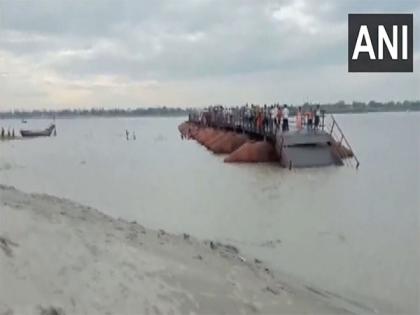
[387, 64]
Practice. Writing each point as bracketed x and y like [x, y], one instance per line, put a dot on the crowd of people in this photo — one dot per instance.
[261, 119]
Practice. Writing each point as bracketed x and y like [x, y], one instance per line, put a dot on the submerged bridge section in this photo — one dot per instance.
[306, 148]
[297, 148]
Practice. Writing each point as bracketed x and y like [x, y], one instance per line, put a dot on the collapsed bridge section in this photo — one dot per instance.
[295, 148]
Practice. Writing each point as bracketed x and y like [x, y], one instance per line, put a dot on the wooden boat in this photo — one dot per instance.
[38, 133]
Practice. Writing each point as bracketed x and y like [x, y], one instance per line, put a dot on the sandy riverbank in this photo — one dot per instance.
[59, 257]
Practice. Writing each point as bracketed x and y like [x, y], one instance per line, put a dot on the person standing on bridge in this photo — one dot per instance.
[279, 116]
[299, 119]
[273, 119]
[285, 118]
[248, 122]
[309, 117]
[260, 119]
[317, 116]
[252, 117]
[265, 117]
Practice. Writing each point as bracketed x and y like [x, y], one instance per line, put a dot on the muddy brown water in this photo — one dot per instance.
[352, 233]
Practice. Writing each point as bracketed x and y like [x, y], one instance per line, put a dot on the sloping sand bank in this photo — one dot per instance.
[59, 257]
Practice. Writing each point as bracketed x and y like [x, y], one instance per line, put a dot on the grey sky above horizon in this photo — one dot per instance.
[129, 53]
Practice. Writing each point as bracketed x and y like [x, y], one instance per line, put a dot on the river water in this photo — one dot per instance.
[352, 232]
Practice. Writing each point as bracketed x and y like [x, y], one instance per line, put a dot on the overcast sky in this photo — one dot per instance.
[129, 53]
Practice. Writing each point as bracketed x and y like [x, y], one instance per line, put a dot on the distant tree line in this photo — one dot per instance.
[372, 106]
[96, 112]
[338, 107]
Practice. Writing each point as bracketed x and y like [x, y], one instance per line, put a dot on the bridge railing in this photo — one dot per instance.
[342, 145]
[238, 121]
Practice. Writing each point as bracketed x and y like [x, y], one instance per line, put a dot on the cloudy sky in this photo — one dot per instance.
[129, 53]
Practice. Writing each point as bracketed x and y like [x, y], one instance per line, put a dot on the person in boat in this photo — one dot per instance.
[317, 116]
[285, 118]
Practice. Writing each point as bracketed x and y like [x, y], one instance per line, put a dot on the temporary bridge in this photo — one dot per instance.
[297, 148]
